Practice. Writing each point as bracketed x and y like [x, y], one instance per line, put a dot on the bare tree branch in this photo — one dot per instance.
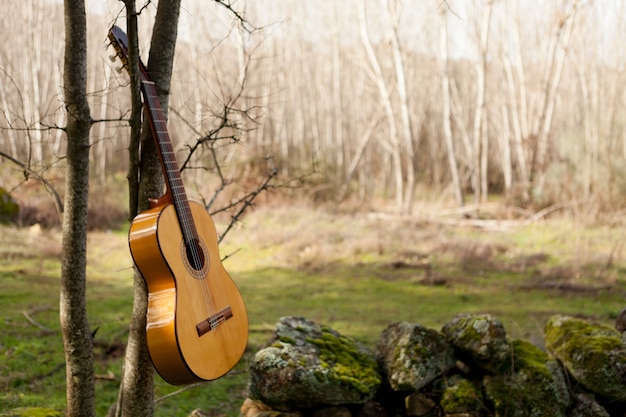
[238, 15]
[58, 203]
[245, 202]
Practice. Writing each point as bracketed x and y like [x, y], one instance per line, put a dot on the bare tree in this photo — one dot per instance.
[516, 98]
[77, 339]
[392, 142]
[555, 60]
[480, 118]
[394, 11]
[446, 110]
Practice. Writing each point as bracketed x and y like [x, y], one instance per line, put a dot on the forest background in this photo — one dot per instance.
[377, 102]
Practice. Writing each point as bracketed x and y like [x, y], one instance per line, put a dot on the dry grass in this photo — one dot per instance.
[305, 237]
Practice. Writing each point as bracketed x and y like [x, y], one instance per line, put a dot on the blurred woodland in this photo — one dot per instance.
[365, 99]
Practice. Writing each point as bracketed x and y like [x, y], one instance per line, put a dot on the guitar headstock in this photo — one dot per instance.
[119, 40]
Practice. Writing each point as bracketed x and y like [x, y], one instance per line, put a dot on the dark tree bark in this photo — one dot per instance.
[77, 337]
[137, 386]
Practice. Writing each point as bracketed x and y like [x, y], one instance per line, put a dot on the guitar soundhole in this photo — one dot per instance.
[194, 253]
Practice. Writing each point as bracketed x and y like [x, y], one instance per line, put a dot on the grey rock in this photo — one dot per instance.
[594, 354]
[412, 356]
[533, 387]
[480, 341]
[587, 407]
[308, 365]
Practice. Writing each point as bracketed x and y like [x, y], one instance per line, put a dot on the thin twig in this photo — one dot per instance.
[179, 391]
[51, 372]
[246, 203]
[230, 254]
[238, 16]
[46, 184]
[110, 376]
[36, 323]
[188, 387]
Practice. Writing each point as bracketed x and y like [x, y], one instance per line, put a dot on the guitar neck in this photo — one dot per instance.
[173, 180]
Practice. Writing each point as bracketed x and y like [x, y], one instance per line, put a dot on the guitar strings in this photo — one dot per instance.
[190, 236]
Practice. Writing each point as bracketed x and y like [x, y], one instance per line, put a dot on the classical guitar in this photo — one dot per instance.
[197, 324]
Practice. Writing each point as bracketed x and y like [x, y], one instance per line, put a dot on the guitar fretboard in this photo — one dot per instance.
[171, 172]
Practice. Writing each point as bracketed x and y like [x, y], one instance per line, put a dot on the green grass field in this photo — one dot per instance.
[354, 272]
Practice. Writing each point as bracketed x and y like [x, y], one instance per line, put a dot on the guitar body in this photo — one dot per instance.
[197, 324]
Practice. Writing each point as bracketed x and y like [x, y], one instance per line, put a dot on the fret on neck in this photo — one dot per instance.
[168, 158]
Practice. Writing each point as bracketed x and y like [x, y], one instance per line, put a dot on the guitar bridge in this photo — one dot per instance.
[214, 320]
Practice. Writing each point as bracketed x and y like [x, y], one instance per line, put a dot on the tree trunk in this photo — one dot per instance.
[407, 131]
[517, 88]
[338, 108]
[392, 144]
[479, 179]
[77, 339]
[136, 397]
[543, 126]
[4, 102]
[505, 146]
[446, 110]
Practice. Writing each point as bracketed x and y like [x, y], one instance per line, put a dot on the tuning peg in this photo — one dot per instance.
[113, 57]
[119, 69]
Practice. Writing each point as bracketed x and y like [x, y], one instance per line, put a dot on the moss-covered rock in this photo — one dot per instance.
[480, 341]
[594, 354]
[587, 407]
[461, 396]
[9, 209]
[533, 387]
[309, 365]
[412, 356]
[31, 412]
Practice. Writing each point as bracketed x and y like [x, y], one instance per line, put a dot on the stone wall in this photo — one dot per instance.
[469, 368]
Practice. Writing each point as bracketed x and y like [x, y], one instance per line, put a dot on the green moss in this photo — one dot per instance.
[527, 356]
[568, 336]
[474, 329]
[533, 387]
[345, 363]
[594, 354]
[287, 339]
[461, 396]
[418, 351]
[32, 412]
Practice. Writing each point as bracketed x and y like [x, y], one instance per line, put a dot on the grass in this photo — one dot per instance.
[353, 272]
